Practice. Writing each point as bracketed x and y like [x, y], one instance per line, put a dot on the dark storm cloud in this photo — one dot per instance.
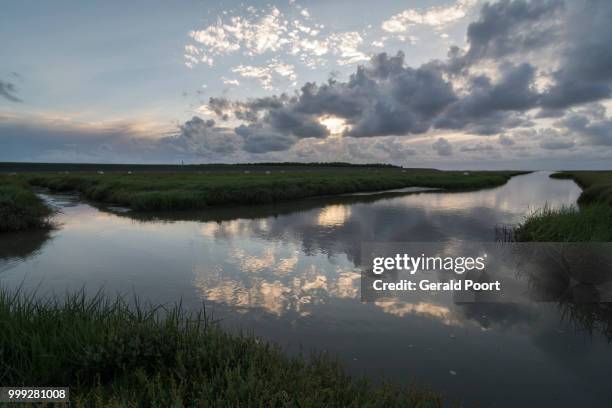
[553, 139]
[488, 107]
[585, 73]
[32, 138]
[203, 138]
[388, 98]
[259, 139]
[252, 109]
[286, 120]
[505, 140]
[249, 110]
[442, 147]
[579, 31]
[572, 91]
[333, 97]
[489, 88]
[257, 105]
[49, 139]
[557, 144]
[595, 131]
[509, 27]
[383, 98]
[8, 90]
[220, 106]
[394, 149]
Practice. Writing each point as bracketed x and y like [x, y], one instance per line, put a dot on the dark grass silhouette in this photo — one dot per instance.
[113, 354]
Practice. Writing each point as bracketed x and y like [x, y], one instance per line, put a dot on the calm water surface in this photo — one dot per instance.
[290, 273]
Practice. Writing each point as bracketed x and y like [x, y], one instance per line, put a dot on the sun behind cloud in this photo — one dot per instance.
[335, 125]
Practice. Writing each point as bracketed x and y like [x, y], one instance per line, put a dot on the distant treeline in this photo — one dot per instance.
[321, 164]
[13, 167]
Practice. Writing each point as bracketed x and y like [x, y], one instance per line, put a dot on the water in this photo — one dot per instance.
[290, 273]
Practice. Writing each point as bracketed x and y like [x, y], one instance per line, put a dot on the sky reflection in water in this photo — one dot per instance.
[290, 273]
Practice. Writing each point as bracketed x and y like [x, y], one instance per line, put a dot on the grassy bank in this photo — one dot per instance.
[20, 208]
[587, 223]
[112, 355]
[591, 221]
[171, 191]
[596, 185]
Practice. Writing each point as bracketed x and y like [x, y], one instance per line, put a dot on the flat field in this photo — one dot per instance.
[198, 190]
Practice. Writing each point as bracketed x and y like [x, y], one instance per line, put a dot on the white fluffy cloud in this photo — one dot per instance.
[533, 80]
[273, 34]
[253, 35]
[268, 74]
[347, 46]
[436, 17]
[230, 81]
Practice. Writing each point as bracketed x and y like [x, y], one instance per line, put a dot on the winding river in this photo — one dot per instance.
[290, 273]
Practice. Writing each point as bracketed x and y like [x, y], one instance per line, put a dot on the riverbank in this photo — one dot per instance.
[190, 191]
[591, 221]
[20, 208]
[110, 354]
[596, 185]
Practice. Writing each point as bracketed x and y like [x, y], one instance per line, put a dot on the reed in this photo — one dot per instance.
[111, 353]
[20, 208]
[570, 224]
[174, 191]
[590, 221]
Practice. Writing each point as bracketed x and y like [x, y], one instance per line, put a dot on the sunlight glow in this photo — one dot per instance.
[333, 215]
[334, 124]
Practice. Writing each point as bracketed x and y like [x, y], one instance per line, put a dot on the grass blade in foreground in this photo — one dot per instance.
[20, 208]
[592, 221]
[110, 354]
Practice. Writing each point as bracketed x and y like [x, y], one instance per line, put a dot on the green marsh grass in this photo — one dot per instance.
[173, 191]
[20, 208]
[590, 221]
[596, 185]
[113, 354]
[570, 224]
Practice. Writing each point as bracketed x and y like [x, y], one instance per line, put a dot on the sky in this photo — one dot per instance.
[451, 84]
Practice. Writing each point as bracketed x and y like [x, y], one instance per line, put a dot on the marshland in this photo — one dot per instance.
[20, 208]
[279, 284]
[114, 354]
[589, 220]
[188, 191]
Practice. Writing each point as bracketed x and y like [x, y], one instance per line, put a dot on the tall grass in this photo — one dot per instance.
[156, 191]
[569, 224]
[596, 185]
[591, 221]
[112, 354]
[20, 208]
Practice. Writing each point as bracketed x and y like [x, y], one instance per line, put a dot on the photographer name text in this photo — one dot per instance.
[422, 263]
[426, 285]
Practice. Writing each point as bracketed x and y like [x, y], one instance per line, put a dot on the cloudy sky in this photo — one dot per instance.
[447, 84]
